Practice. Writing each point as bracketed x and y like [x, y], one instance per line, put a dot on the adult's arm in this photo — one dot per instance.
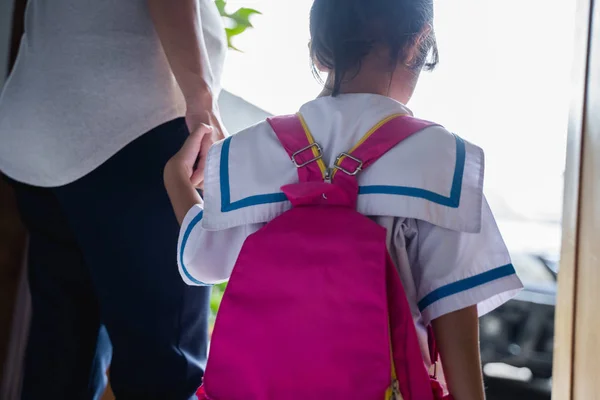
[178, 25]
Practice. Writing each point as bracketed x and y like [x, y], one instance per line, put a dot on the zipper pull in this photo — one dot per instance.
[327, 176]
[396, 395]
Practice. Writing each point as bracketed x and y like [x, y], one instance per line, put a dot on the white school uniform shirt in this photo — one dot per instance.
[426, 192]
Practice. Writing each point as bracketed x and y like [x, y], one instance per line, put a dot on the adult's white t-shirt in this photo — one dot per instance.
[91, 76]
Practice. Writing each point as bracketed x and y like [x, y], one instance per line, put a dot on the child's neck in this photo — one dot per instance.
[357, 86]
[376, 77]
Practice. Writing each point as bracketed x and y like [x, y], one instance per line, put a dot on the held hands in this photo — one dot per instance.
[206, 128]
[184, 172]
[181, 165]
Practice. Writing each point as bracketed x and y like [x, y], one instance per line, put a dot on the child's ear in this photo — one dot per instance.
[414, 52]
[318, 65]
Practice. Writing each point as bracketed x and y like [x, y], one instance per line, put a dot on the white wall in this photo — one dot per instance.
[6, 8]
[237, 113]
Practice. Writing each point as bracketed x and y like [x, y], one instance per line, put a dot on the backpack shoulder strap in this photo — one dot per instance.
[298, 142]
[379, 140]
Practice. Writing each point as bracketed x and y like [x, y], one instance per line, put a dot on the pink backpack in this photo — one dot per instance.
[315, 308]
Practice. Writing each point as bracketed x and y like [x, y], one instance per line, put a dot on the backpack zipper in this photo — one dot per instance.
[396, 395]
[327, 175]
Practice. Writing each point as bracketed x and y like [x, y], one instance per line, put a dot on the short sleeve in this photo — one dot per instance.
[454, 270]
[207, 257]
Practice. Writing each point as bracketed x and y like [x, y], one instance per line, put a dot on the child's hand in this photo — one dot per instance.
[181, 179]
[194, 149]
[198, 118]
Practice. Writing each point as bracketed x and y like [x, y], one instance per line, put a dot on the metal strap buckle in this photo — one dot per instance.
[302, 150]
[344, 170]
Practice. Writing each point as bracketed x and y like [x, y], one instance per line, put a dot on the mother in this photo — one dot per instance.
[92, 111]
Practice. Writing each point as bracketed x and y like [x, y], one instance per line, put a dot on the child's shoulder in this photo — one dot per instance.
[434, 175]
[436, 145]
[260, 131]
[243, 177]
[436, 151]
[255, 145]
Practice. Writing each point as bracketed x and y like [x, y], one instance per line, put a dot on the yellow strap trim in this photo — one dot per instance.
[368, 135]
[389, 393]
[311, 140]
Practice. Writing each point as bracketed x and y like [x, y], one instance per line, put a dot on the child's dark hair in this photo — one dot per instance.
[343, 32]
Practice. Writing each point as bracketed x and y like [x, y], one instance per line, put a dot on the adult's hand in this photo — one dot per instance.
[197, 117]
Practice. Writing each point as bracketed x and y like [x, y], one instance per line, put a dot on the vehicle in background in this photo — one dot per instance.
[517, 339]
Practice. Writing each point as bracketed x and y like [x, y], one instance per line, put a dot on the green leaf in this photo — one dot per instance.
[215, 303]
[240, 20]
[242, 16]
[220, 6]
[231, 32]
[216, 297]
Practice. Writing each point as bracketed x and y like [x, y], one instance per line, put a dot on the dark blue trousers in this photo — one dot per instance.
[102, 271]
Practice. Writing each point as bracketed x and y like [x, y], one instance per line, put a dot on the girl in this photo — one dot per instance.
[426, 192]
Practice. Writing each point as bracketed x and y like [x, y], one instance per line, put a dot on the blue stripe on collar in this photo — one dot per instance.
[452, 201]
